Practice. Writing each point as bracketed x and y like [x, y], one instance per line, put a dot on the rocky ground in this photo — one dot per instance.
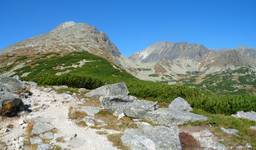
[45, 118]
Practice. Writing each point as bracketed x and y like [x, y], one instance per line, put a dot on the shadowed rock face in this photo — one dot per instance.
[11, 107]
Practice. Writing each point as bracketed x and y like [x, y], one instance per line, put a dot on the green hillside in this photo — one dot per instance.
[81, 69]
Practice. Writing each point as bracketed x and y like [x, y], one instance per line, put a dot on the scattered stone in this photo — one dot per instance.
[89, 121]
[248, 146]
[152, 138]
[44, 147]
[90, 110]
[36, 140]
[109, 90]
[246, 115]
[230, 131]
[47, 135]
[180, 104]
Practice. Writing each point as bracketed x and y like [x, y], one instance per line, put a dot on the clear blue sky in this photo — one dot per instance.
[134, 24]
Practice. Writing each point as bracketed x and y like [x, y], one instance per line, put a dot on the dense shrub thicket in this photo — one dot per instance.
[99, 72]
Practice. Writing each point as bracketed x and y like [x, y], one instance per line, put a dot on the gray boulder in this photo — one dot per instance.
[167, 117]
[152, 138]
[12, 84]
[109, 90]
[7, 96]
[246, 115]
[180, 104]
[128, 105]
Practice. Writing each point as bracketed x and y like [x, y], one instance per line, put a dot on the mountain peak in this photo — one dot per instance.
[68, 37]
[170, 50]
[66, 24]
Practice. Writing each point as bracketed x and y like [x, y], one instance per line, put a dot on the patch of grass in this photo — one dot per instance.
[216, 121]
[60, 139]
[76, 114]
[117, 142]
[113, 122]
[57, 147]
[67, 90]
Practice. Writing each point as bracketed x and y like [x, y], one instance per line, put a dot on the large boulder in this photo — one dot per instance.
[167, 117]
[5, 95]
[109, 90]
[180, 104]
[128, 105]
[10, 102]
[11, 84]
[147, 137]
[246, 115]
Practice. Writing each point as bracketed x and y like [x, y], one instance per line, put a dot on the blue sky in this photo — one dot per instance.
[135, 24]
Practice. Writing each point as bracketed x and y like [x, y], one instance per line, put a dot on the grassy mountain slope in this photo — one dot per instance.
[82, 69]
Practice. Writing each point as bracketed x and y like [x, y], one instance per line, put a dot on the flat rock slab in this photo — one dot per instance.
[167, 117]
[246, 115]
[40, 126]
[230, 131]
[109, 90]
[152, 138]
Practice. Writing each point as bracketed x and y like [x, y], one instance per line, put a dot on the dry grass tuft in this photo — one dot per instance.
[113, 122]
[76, 114]
[117, 142]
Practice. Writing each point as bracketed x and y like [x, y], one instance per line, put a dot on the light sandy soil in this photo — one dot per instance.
[53, 108]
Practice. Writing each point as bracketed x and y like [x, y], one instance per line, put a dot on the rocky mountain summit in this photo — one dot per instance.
[68, 37]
